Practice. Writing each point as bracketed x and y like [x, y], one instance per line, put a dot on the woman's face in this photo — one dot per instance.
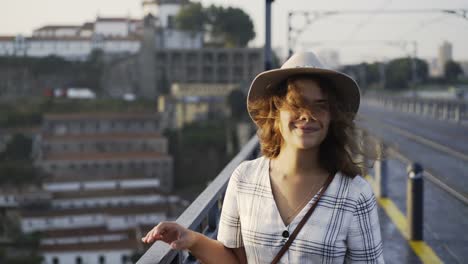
[300, 128]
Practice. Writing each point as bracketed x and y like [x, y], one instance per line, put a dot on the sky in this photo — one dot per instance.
[359, 37]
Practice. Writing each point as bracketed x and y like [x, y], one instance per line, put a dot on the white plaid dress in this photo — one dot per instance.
[344, 228]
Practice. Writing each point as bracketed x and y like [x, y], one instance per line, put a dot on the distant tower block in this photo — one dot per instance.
[445, 54]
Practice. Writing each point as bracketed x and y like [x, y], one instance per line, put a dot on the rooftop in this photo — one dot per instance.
[55, 27]
[87, 231]
[99, 156]
[101, 136]
[123, 210]
[93, 178]
[102, 116]
[102, 245]
[117, 19]
[105, 193]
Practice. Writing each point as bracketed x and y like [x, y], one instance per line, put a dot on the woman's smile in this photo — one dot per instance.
[305, 128]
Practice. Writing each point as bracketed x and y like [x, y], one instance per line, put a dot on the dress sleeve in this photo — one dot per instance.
[229, 231]
[364, 239]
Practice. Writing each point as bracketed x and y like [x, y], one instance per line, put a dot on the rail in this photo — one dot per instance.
[441, 109]
[203, 214]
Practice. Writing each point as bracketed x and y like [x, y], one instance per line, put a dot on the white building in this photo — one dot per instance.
[113, 35]
[109, 177]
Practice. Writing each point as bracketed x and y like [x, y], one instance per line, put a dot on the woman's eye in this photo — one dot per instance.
[319, 107]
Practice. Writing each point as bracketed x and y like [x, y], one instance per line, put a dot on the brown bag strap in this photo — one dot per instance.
[303, 221]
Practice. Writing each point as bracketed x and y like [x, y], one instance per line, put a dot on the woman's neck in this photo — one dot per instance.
[298, 165]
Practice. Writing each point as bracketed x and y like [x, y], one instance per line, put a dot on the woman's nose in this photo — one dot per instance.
[304, 116]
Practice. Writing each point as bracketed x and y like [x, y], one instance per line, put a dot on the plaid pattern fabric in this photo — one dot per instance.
[344, 227]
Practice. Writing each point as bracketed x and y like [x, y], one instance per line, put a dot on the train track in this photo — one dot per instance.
[461, 196]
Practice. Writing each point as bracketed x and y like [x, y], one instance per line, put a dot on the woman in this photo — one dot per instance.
[305, 114]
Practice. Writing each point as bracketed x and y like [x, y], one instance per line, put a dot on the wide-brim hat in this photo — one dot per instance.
[304, 63]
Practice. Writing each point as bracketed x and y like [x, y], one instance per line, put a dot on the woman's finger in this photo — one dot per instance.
[155, 233]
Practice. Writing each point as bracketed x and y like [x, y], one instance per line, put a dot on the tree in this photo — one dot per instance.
[399, 73]
[93, 70]
[232, 25]
[191, 17]
[237, 104]
[452, 70]
[18, 149]
[164, 84]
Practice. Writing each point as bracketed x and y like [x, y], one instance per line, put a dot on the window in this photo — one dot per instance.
[170, 22]
[124, 259]
[55, 260]
[102, 260]
[78, 260]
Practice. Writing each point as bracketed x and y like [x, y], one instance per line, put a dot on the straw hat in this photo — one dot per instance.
[346, 88]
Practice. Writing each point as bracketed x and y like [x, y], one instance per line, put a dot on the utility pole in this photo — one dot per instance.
[268, 56]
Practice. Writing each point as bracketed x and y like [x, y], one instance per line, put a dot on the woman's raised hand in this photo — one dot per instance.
[177, 236]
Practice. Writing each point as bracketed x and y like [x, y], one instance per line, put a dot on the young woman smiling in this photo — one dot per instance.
[304, 197]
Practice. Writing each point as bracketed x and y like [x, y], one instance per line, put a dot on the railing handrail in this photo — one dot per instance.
[417, 99]
[193, 216]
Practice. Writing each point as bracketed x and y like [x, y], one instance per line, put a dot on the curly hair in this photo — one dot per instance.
[340, 148]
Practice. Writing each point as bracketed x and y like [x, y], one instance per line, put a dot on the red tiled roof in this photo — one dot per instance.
[24, 130]
[105, 193]
[87, 116]
[7, 38]
[57, 27]
[91, 178]
[85, 231]
[116, 19]
[62, 38]
[101, 136]
[130, 210]
[105, 156]
[82, 38]
[103, 245]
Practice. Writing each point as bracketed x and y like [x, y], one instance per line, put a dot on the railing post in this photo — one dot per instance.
[213, 218]
[445, 111]
[381, 172]
[415, 201]
[456, 116]
[361, 134]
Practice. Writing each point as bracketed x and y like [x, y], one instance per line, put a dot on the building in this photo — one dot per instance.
[445, 55]
[109, 180]
[199, 101]
[113, 35]
[209, 65]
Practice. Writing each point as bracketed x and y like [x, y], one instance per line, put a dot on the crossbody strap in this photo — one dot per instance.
[303, 221]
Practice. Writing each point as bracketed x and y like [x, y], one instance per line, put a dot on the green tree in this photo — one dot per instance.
[452, 70]
[164, 84]
[232, 25]
[399, 73]
[191, 17]
[90, 73]
[237, 104]
[18, 149]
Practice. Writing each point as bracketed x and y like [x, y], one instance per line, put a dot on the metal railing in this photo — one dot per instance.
[203, 214]
[442, 109]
